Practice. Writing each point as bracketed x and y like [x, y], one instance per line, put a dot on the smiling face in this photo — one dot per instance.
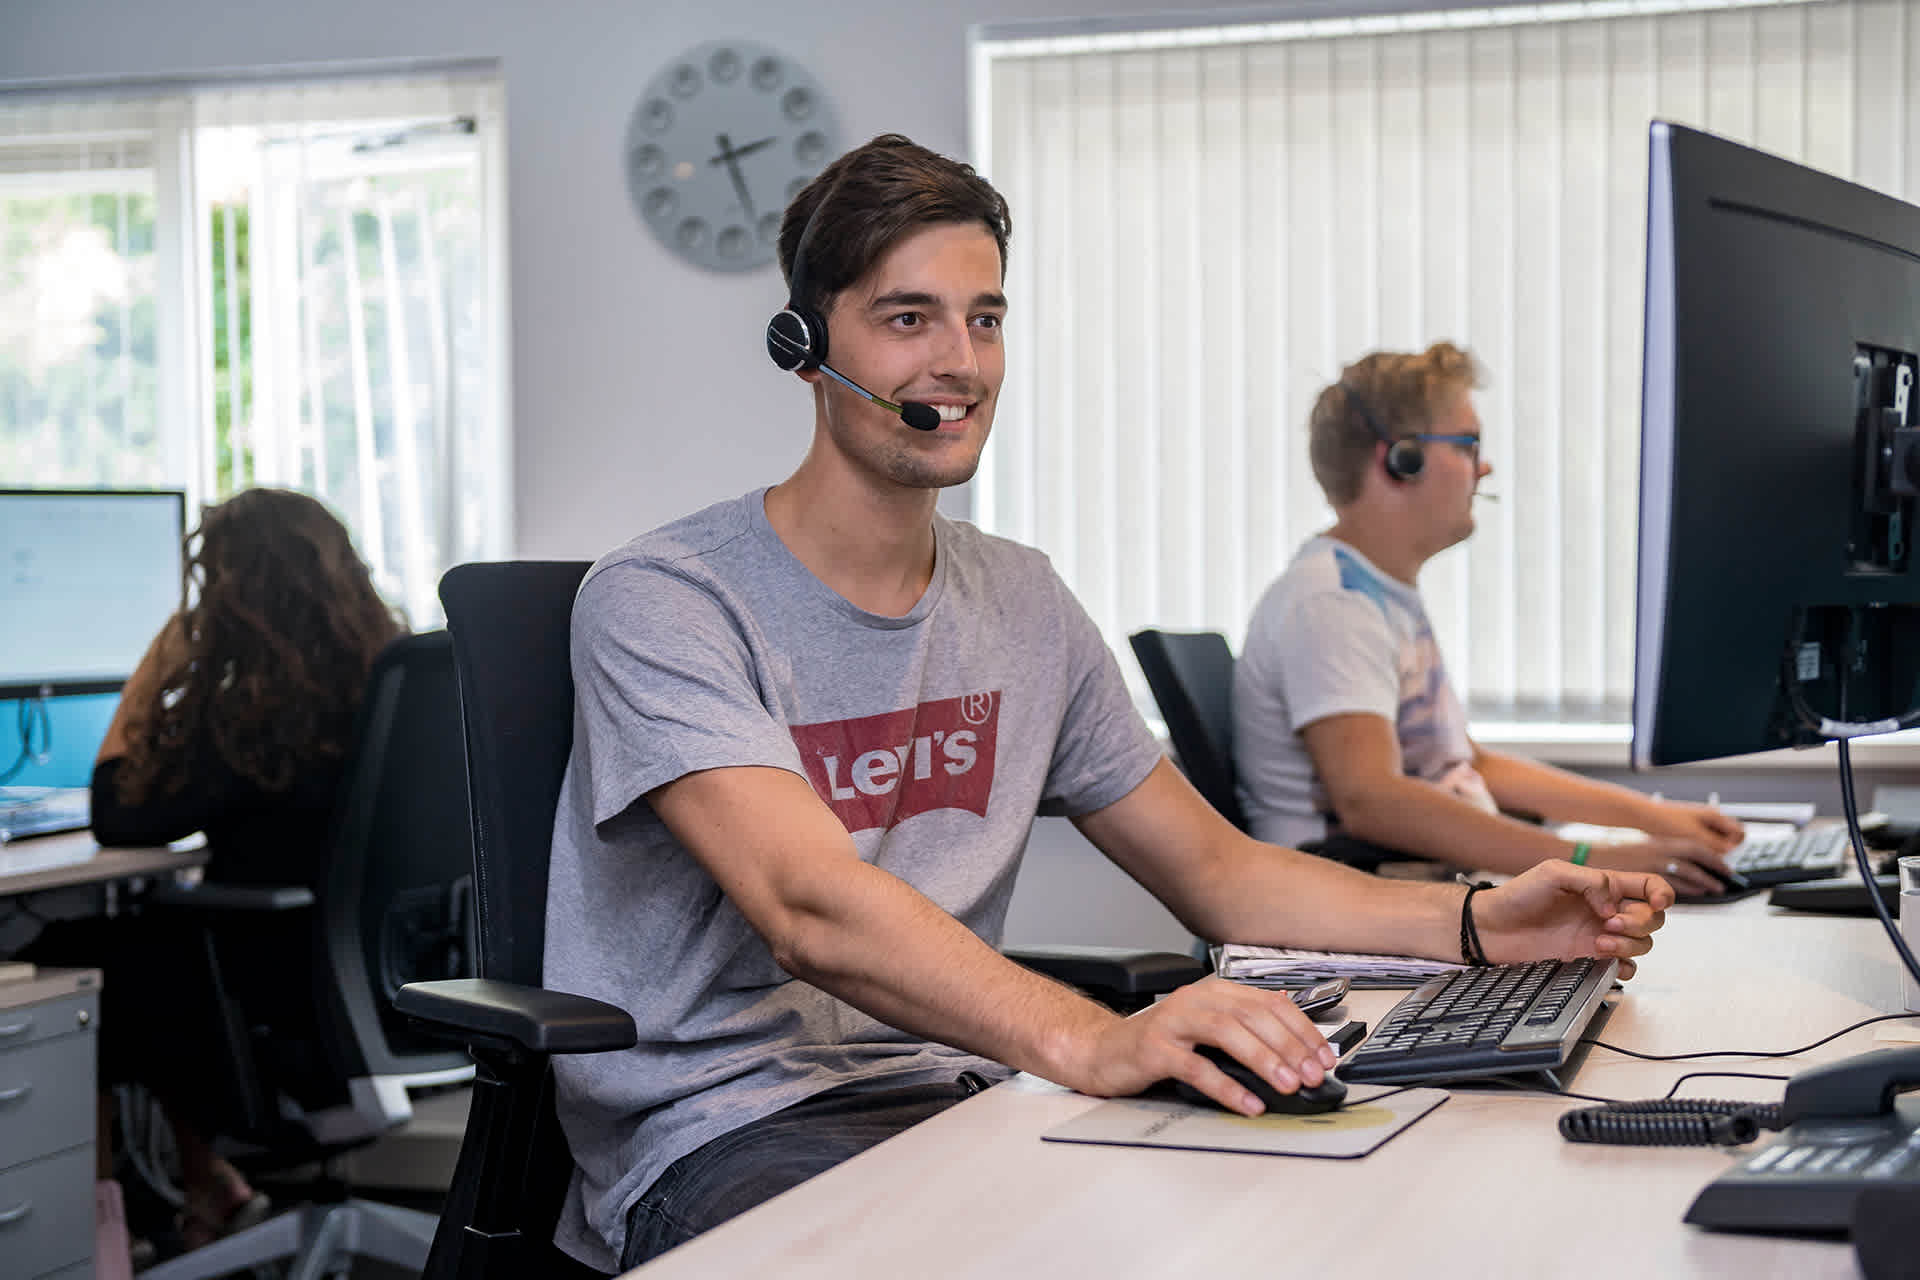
[923, 324]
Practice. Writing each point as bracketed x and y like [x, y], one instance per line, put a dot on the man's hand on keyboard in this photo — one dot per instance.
[1555, 910]
[1687, 865]
[1701, 823]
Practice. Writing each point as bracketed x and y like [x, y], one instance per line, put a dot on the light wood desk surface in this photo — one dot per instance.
[1482, 1186]
[99, 866]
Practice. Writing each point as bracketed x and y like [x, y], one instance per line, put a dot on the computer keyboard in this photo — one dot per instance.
[1814, 854]
[1500, 1020]
[45, 811]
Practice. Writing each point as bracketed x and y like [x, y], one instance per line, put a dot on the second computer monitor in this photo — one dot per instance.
[1776, 542]
[87, 577]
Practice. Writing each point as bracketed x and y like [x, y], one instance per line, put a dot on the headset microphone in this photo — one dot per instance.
[797, 334]
[1490, 497]
[916, 414]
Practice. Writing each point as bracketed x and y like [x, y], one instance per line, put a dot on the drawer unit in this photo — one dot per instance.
[64, 1014]
[47, 1074]
[46, 1213]
[46, 1098]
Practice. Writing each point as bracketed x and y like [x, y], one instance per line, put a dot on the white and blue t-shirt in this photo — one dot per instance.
[1335, 635]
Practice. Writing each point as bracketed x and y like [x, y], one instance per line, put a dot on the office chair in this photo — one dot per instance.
[1191, 676]
[510, 626]
[307, 1075]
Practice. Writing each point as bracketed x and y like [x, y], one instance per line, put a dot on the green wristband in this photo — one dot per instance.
[1580, 852]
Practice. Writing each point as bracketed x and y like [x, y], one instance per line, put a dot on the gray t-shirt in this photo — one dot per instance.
[935, 737]
[1334, 635]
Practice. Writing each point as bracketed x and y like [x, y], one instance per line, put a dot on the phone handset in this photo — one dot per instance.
[1854, 1087]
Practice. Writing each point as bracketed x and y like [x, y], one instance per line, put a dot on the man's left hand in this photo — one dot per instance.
[1555, 910]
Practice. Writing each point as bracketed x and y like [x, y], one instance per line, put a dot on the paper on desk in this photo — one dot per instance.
[1297, 967]
[1361, 1126]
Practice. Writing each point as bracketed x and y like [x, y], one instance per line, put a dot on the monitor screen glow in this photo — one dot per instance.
[86, 580]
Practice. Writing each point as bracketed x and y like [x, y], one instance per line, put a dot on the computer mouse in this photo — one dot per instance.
[1730, 881]
[1732, 884]
[1308, 1099]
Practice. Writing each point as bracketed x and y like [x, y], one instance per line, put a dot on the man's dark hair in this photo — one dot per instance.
[868, 199]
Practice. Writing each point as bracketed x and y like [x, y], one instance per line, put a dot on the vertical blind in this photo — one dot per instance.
[1210, 223]
[354, 247]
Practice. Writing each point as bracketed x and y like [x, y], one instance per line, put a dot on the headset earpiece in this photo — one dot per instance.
[797, 338]
[1406, 458]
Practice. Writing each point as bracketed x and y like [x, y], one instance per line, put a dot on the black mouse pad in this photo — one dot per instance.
[1370, 1117]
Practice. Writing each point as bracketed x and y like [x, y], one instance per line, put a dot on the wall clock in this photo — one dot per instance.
[721, 140]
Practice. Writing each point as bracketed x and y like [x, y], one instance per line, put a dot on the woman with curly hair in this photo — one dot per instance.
[236, 723]
[238, 719]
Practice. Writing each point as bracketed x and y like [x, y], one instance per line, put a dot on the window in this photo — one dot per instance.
[79, 305]
[306, 280]
[1210, 223]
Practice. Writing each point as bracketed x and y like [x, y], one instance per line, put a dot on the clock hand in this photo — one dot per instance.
[730, 157]
[752, 147]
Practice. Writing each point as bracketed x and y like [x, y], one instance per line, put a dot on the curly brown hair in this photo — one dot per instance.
[278, 627]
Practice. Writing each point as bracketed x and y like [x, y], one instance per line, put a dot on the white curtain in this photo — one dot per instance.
[1209, 224]
[367, 284]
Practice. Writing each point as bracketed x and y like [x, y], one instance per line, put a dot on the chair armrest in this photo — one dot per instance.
[1134, 977]
[532, 1018]
[228, 898]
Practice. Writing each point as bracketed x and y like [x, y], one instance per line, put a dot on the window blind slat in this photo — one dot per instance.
[1272, 206]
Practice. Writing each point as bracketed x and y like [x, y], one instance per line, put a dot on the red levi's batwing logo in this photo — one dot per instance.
[877, 771]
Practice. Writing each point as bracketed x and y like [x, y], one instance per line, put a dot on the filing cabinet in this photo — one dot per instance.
[47, 1071]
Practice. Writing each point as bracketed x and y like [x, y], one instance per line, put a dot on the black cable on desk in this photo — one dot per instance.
[1748, 1053]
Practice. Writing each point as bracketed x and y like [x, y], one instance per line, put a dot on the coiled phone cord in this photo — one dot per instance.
[1671, 1122]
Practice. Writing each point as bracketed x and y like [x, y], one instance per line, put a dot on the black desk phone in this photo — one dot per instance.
[1844, 1132]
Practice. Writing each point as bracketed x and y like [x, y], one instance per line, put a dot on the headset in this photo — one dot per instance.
[797, 334]
[1406, 456]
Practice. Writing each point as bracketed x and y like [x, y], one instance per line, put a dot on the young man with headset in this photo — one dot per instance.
[1346, 728]
[814, 726]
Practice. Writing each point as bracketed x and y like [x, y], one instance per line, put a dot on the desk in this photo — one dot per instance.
[104, 867]
[1483, 1185]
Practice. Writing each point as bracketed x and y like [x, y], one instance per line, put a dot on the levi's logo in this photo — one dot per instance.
[876, 771]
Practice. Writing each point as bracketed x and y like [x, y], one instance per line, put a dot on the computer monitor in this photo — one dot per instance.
[1778, 581]
[87, 577]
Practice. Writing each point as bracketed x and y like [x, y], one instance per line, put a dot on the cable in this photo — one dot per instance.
[1748, 1053]
[1840, 731]
[28, 710]
[1671, 1122]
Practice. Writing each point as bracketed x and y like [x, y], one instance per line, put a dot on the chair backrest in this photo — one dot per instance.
[510, 624]
[1191, 676]
[298, 1000]
[396, 895]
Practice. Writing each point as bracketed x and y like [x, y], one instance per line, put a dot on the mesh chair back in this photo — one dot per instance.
[397, 892]
[509, 622]
[1191, 676]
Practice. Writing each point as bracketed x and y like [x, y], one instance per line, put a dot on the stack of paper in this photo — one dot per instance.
[1295, 967]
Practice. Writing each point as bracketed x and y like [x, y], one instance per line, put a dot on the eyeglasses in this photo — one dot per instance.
[1469, 445]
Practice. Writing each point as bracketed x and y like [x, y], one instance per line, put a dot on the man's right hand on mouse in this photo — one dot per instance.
[1262, 1029]
[1690, 867]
